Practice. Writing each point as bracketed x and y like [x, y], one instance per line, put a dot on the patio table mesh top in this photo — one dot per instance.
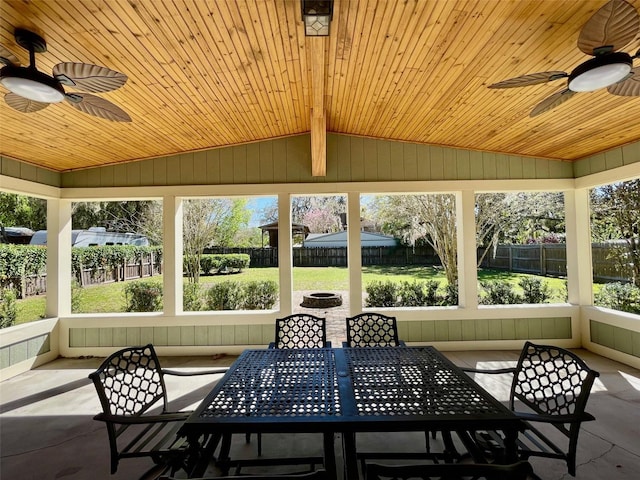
[278, 383]
[356, 383]
[399, 381]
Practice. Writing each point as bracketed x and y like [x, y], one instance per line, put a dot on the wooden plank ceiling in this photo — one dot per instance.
[211, 73]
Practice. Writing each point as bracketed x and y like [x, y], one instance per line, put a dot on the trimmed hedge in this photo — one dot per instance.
[232, 295]
[408, 294]
[224, 263]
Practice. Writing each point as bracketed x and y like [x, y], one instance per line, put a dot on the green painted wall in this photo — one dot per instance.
[185, 335]
[24, 350]
[614, 158]
[349, 159]
[262, 334]
[617, 338]
[485, 329]
[25, 171]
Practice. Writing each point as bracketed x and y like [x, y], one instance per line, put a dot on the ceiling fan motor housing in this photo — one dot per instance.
[600, 72]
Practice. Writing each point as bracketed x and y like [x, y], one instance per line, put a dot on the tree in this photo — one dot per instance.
[209, 222]
[142, 217]
[23, 211]
[431, 218]
[301, 206]
[522, 217]
[322, 221]
[616, 216]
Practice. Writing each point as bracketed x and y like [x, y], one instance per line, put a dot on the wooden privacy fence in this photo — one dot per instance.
[128, 270]
[337, 257]
[550, 260]
[546, 259]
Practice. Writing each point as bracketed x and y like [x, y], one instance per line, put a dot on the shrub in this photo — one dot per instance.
[450, 296]
[535, 290]
[227, 295]
[143, 296]
[624, 297]
[417, 293]
[381, 294]
[234, 262]
[498, 292]
[191, 301]
[77, 292]
[8, 307]
[209, 263]
[260, 295]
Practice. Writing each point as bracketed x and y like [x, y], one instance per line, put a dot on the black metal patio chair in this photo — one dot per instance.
[372, 329]
[450, 471]
[300, 330]
[130, 383]
[551, 386]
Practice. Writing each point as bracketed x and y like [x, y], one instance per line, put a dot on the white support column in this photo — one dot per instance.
[354, 253]
[578, 231]
[467, 257]
[285, 254]
[172, 254]
[58, 258]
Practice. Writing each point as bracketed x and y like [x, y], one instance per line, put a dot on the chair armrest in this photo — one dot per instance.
[272, 345]
[490, 371]
[191, 374]
[142, 419]
[539, 417]
[401, 343]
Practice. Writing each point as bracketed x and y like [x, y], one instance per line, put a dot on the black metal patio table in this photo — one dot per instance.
[347, 390]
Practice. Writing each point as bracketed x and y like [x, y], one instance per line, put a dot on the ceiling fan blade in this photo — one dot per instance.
[89, 78]
[629, 87]
[615, 24]
[7, 57]
[530, 79]
[552, 102]
[22, 104]
[98, 107]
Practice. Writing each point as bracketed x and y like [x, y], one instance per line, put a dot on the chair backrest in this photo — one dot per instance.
[317, 475]
[130, 382]
[446, 471]
[552, 380]
[372, 330]
[301, 330]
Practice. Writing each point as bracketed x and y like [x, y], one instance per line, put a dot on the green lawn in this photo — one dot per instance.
[109, 298]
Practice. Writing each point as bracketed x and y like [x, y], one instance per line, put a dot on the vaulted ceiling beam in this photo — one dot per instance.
[318, 113]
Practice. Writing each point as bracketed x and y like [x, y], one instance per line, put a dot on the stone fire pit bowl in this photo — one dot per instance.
[321, 300]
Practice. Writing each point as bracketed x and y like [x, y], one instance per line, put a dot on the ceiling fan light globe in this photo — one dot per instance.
[32, 85]
[600, 72]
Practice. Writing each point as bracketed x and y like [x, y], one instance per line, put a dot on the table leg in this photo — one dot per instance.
[223, 458]
[200, 457]
[329, 454]
[350, 456]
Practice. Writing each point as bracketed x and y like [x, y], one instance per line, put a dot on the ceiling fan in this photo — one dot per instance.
[612, 27]
[31, 90]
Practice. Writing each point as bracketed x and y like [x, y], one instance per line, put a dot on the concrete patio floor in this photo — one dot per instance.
[47, 431]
